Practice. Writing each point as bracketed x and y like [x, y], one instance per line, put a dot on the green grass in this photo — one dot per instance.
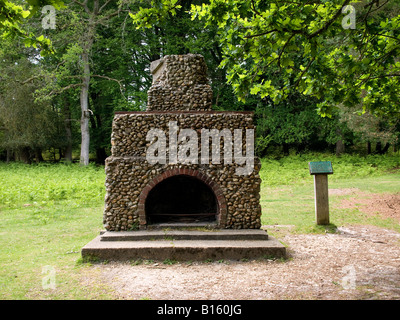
[50, 183]
[287, 189]
[294, 169]
[49, 212]
[294, 204]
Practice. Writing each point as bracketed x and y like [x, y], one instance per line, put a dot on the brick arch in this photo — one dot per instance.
[219, 195]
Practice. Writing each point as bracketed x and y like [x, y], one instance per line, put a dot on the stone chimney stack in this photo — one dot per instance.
[180, 83]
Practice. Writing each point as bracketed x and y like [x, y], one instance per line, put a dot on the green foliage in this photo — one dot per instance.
[12, 17]
[160, 9]
[285, 60]
[25, 123]
[299, 59]
[370, 128]
[293, 123]
[50, 183]
[174, 32]
[42, 186]
[309, 50]
[294, 168]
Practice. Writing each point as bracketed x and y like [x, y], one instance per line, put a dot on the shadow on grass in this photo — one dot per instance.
[327, 228]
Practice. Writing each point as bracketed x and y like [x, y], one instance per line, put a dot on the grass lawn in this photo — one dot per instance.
[49, 212]
[287, 191]
[294, 204]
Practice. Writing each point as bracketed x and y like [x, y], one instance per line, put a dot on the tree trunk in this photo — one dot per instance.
[378, 147]
[340, 147]
[68, 131]
[10, 155]
[84, 96]
[87, 45]
[85, 135]
[38, 155]
[286, 149]
[101, 155]
[24, 155]
[385, 148]
[368, 147]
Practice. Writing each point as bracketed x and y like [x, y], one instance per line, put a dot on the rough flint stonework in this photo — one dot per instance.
[180, 93]
[179, 83]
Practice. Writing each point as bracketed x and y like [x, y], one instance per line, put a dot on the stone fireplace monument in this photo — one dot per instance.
[140, 193]
[179, 164]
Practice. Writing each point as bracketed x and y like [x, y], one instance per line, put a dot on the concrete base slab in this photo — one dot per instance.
[184, 246]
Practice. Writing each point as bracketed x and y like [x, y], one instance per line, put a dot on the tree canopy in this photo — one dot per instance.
[12, 17]
[288, 61]
[305, 46]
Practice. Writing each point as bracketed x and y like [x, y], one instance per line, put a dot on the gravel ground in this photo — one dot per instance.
[357, 262]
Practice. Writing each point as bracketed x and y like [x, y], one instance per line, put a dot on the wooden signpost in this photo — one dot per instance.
[320, 171]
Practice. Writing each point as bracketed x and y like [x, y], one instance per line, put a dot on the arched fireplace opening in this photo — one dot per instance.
[181, 199]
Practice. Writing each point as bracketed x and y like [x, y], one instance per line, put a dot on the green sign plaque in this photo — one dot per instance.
[320, 167]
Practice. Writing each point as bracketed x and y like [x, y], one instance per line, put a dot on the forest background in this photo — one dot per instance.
[57, 96]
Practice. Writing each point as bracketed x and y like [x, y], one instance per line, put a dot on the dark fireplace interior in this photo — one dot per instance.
[181, 199]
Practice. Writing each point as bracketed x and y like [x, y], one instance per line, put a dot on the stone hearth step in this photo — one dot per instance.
[183, 245]
[184, 235]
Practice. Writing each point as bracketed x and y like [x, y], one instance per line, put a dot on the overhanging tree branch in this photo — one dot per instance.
[121, 87]
[330, 21]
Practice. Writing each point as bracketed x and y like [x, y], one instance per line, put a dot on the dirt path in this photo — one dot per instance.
[358, 262]
[384, 205]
